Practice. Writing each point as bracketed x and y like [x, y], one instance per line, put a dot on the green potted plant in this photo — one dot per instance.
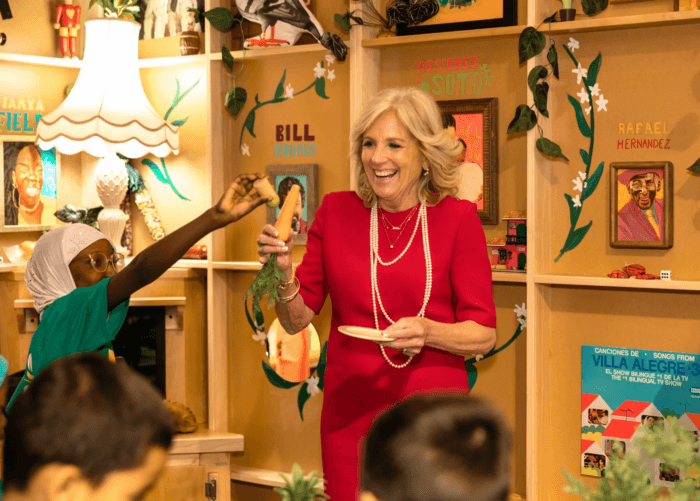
[568, 13]
[300, 488]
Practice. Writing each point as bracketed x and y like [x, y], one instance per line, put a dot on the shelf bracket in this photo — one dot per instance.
[210, 489]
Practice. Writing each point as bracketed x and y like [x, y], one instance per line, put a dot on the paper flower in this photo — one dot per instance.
[580, 73]
[245, 150]
[288, 91]
[583, 95]
[577, 201]
[573, 44]
[578, 184]
[312, 385]
[601, 102]
[478, 357]
[319, 70]
[595, 90]
[582, 175]
[523, 322]
[330, 58]
[260, 335]
[520, 311]
[588, 110]
[331, 75]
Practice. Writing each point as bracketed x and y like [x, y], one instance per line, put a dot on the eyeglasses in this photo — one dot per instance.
[100, 262]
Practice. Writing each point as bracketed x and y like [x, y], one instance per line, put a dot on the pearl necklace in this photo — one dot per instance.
[422, 220]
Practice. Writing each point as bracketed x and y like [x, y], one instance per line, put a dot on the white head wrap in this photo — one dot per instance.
[48, 276]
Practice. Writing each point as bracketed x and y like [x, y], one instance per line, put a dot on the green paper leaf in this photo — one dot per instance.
[156, 170]
[321, 367]
[576, 237]
[471, 375]
[553, 59]
[530, 44]
[276, 379]
[227, 57]
[549, 148]
[580, 119]
[279, 92]
[136, 183]
[179, 123]
[302, 398]
[584, 157]
[551, 19]
[593, 7]
[592, 182]
[593, 70]
[525, 119]
[342, 21]
[537, 73]
[220, 18]
[321, 87]
[235, 99]
[695, 167]
[250, 122]
[540, 95]
[573, 211]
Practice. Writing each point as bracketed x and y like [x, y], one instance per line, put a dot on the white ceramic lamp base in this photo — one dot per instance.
[112, 181]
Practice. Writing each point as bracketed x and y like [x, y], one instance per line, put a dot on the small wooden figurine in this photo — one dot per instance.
[68, 23]
[510, 253]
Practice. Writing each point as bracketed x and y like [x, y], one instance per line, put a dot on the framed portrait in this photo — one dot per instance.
[476, 126]
[641, 205]
[282, 178]
[457, 15]
[30, 180]
[168, 18]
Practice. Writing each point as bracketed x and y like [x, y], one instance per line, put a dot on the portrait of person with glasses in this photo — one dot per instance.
[27, 202]
[81, 287]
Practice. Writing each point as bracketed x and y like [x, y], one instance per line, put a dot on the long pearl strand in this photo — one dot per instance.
[422, 220]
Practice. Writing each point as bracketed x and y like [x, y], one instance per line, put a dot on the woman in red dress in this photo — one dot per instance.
[401, 255]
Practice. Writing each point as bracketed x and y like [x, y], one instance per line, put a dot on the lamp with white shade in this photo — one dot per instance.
[107, 113]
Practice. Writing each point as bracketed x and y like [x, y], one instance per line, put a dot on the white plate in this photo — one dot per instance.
[364, 333]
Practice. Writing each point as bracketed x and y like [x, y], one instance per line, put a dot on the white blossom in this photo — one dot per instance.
[330, 58]
[595, 90]
[288, 91]
[580, 73]
[601, 102]
[319, 70]
[577, 201]
[523, 322]
[583, 95]
[578, 184]
[520, 311]
[260, 335]
[478, 357]
[331, 75]
[582, 175]
[588, 110]
[245, 150]
[312, 385]
[573, 44]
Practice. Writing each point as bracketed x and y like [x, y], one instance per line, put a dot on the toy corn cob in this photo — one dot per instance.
[127, 236]
[144, 202]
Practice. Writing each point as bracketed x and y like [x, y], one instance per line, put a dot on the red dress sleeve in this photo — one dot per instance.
[470, 272]
[312, 272]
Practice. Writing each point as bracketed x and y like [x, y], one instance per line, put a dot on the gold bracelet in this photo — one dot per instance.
[284, 285]
[287, 299]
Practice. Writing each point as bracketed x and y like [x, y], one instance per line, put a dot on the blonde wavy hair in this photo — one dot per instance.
[417, 111]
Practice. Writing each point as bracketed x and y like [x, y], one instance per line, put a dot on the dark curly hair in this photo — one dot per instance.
[10, 153]
[286, 185]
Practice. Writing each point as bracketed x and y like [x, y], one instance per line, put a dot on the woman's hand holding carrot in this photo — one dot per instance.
[270, 243]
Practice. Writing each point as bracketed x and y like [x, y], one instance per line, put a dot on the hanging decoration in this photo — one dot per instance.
[310, 387]
[144, 202]
[521, 315]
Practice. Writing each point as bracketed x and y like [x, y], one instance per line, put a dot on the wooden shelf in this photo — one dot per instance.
[258, 476]
[241, 55]
[509, 277]
[56, 62]
[160, 62]
[618, 283]
[582, 26]
[205, 441]
[21, 304]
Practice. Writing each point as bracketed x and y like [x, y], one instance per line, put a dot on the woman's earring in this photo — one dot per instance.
[426, 171]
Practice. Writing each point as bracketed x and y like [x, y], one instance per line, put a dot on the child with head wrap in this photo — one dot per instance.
[80, 291]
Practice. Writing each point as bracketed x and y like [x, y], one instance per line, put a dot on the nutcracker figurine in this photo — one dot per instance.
[68, 24]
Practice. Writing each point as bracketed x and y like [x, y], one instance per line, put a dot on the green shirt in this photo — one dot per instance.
[75, 323]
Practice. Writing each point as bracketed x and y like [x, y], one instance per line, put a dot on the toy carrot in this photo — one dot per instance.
[268, 278]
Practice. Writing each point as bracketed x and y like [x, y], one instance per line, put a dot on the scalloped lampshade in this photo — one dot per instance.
[107, 111]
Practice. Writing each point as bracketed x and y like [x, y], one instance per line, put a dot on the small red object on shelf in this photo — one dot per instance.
[633, 271]
[196, 252]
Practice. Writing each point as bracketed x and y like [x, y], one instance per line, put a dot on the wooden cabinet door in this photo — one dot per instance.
[179, 483]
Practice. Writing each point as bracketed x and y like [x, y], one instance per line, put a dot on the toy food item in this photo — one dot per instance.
[284, 221]
[27, 247]
[634, 270]
[618, 274]
[265, 189]
[196, 252]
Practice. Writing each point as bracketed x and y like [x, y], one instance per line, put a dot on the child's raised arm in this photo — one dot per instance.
[240, 199]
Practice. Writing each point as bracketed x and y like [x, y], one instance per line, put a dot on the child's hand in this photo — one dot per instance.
[240, 199]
